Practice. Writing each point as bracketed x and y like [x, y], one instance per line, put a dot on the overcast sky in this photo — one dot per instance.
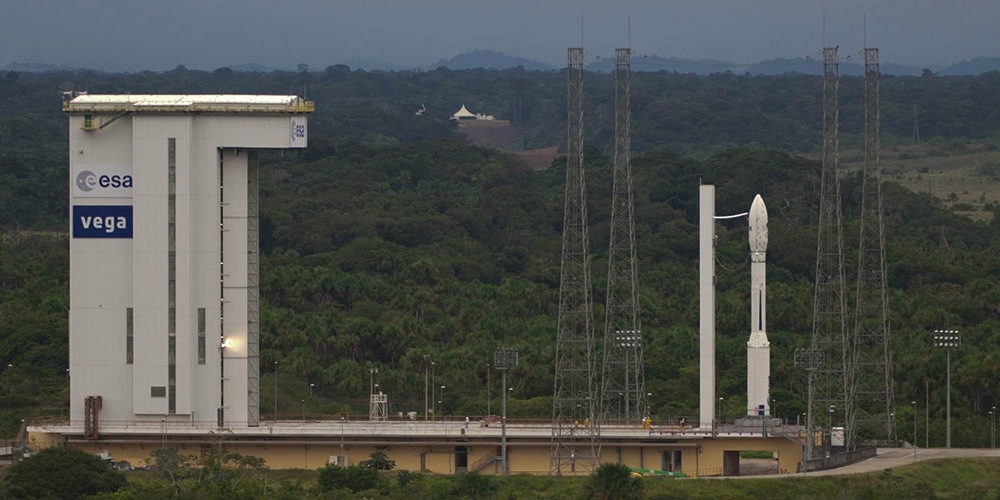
[131, 35]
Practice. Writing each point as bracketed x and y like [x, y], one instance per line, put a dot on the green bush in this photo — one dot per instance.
[405, 477]
[355, 478]
[473, 485]
[613, 482]
[378, 461]
[61, 472]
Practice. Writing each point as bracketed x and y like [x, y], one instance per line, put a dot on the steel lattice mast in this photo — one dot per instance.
[871, 398]
[575, 433]
[829, 301]
[623, 391]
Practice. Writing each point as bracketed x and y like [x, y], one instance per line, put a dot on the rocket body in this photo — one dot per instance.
[758, 348]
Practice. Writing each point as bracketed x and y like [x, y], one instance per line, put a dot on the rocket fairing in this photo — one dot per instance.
[758, 277]
[758, 228]
[758, 347]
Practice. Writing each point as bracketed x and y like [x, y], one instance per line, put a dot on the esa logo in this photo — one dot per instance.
[88, 181]
[298, 131]
[102, 221]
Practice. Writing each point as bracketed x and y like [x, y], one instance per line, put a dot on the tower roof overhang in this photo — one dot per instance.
[187, 103]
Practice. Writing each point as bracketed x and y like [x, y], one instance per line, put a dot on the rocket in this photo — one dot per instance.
[758, 348]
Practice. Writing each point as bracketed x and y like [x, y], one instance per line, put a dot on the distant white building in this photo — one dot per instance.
[164, 313]
[465, 114]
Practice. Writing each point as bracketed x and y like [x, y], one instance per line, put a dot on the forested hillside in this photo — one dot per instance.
[391, 238]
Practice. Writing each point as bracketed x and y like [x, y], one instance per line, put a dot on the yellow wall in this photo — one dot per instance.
[699, 457]
[708, 461]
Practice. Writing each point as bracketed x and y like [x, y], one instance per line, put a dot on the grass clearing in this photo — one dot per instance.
[965, 176]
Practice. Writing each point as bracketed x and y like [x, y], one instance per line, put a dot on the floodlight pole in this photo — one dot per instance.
[948, 339]
[811, 359]
[426, 407]
[504, 358]
[993, 427]
[829, 447]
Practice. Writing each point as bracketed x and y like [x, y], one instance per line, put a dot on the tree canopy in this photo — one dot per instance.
[61, 472]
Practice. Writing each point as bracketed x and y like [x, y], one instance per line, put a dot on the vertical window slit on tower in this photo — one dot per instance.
[129, 335]
[201, 335]
[171, 275]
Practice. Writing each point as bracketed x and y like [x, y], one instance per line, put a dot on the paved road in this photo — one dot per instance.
[888, 458]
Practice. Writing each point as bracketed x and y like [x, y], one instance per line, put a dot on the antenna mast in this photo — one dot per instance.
[623, 391]
[575, 394]
[829, 301]
[872, 391]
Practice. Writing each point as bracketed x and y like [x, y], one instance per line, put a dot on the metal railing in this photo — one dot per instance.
[484, 462]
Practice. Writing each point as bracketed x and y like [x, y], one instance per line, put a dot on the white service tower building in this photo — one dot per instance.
[163, 319]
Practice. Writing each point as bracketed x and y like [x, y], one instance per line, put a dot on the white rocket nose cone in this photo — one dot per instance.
[758, 225]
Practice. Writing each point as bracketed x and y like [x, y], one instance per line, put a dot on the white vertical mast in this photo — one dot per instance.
[706, 287]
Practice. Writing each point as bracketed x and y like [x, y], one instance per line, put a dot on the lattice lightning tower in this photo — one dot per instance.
[829, 301]
[871, 396]
[623, 382]
[575, 447]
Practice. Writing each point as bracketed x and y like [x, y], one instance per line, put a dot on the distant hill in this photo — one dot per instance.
[371, 64]
[38, 67]
[251, 68]
[671, 64]
[353, 63]
[976, 66]
[488, 59]
[850, 65]
[781, 66]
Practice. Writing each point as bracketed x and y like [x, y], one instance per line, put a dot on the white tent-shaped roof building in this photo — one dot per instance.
[463, 114]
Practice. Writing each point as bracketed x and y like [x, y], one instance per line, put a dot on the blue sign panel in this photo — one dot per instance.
[102, 221]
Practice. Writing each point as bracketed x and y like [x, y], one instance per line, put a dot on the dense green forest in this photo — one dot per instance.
[391, 238]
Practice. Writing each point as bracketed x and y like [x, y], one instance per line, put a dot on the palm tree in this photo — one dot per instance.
[613, 482]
